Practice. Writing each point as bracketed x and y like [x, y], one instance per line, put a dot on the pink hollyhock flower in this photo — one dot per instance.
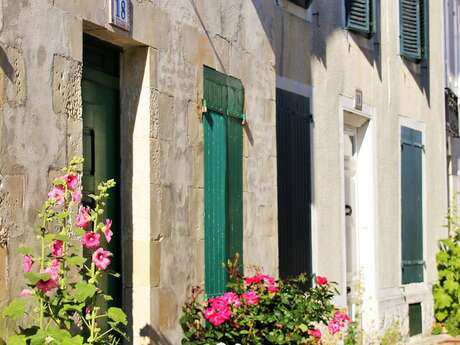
[27, 263]
[26, 293]
[321, 280]
[101, 258]
[47, 286]
[76, 196]
[107, 230]
[315, 333]
[273, 289]
[250, 298]
[57, 194]
[231, 298]
[57, 248]
[71, 181]
[91, 240]
[54, 269]
[83, 218]
[341, 316]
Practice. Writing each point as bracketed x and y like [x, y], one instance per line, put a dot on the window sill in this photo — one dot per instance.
[296, 10]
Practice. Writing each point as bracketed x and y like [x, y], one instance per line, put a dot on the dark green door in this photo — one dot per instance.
[100, 94]
[294, 186]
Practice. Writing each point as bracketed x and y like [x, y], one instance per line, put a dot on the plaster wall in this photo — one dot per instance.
[313, 48]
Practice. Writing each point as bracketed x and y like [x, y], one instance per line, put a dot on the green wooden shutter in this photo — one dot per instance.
[223, 160]
[413, 19]
[294, 186]
[235, 167]
[411, 206]
[415, 319]
[360, 16]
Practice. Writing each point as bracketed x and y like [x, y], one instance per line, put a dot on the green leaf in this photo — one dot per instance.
[83, 291]
[17, 340]
[34, 278]
[443, 300]
[60, 237]
[79, 231]
[38, 338]
[24, 250]
[76, 260]
[117, 315]
[16, 309]
[303, 327]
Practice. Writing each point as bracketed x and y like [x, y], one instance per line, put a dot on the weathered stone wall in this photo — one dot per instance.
[161, 138]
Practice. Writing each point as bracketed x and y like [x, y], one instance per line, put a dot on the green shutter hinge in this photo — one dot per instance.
[243, 119]
[202, 109]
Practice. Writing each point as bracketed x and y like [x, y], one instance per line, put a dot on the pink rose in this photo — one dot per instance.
[315, 333]
[250, 298]
[91, 240]
[71, 181]
[101, 258]
[107, 230]
[333, 327]
[83, 218]
[321, 280]
[26, 293]
[218, 311]
[57, 248]
[231, 298]
[273, 289]
[57, 195]
[27, 263]
[76, 196]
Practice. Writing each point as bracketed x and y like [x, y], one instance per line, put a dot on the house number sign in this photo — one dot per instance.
[120, 14]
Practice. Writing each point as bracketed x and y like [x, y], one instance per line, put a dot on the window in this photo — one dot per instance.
[223, 175]
[302, 3]
[411, 206]
[294, 186]
[413, 28]
[360, 16]
[415, 319]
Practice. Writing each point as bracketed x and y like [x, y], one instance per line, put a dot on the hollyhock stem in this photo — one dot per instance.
[42, 266]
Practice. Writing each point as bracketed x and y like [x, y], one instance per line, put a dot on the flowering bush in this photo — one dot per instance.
[261, 310]
[62, 303]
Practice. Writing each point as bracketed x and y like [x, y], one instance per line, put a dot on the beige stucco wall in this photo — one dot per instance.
[161, 138]
[313, 48]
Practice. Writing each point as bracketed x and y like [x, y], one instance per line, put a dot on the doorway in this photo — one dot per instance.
[101, 137]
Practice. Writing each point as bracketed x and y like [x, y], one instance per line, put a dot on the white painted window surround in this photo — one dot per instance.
[452, 44]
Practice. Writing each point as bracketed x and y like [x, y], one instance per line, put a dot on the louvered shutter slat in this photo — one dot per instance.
[360, 16]
[412, 28]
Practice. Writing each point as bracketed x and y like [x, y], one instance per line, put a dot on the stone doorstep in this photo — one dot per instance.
[435, 340]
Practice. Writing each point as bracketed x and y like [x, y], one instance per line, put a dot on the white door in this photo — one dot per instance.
[350, 158]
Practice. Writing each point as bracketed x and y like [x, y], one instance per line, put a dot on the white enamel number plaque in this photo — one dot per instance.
[120, 14]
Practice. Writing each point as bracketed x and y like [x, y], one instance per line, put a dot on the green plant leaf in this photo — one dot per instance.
[16, 309]
[79, 231]
[83, 290]
[34, 278]
[76, 260]
[24, 250]
[17, 340]
[117, 315]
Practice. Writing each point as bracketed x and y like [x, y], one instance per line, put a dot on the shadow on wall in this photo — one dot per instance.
[155, 336]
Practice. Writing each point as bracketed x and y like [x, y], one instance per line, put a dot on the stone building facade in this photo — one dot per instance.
[268, 45]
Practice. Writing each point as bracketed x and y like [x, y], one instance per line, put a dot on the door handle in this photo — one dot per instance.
[348, 210]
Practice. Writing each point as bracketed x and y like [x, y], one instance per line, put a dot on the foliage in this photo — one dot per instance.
[64, 300]
[447, 290]
[392, 335]
[260, 310]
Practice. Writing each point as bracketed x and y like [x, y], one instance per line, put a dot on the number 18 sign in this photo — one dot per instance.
[120, 15]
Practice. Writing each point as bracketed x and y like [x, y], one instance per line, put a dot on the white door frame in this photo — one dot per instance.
[366, 204]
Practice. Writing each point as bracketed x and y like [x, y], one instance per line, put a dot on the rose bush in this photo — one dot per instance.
[62, 303]
[261, 310]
